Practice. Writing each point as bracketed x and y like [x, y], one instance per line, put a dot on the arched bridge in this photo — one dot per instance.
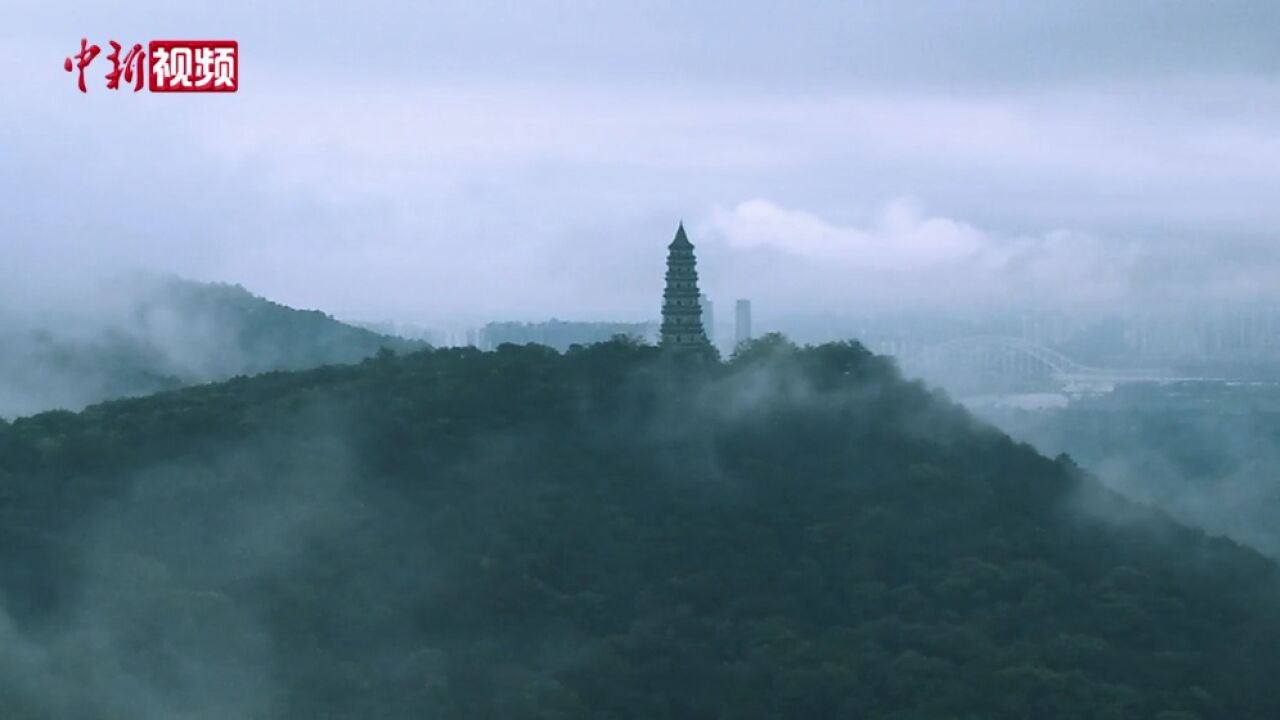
[986, 360]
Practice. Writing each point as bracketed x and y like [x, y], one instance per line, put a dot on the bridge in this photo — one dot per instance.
[995, 360]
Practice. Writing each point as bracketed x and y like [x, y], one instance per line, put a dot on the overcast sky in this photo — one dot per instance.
[472, 160]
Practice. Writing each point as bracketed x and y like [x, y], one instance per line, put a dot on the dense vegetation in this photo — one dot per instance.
[162, 334]
[1206, 452]
[608, 533]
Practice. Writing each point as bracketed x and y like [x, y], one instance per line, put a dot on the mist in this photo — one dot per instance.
[256, 464]
[160, 614]
[139, 333]
[1205, 453]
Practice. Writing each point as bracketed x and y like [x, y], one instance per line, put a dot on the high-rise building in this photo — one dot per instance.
[681, 306]
[742, 322]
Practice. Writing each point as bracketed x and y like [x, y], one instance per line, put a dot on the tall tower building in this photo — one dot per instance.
[708, 318]
[681, 301]
[742, 322]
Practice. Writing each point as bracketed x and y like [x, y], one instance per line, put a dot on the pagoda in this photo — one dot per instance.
[681, 301]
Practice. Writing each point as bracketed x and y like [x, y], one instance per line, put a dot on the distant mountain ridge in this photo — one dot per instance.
[166, 333]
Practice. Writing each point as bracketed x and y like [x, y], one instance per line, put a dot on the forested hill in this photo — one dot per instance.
[158, 334]
[608, 533]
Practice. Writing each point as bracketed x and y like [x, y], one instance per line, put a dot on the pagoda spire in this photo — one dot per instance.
[681, 302]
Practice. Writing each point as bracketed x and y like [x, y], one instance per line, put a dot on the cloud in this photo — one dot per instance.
[900, 238]
[905, 253]
[471, 162]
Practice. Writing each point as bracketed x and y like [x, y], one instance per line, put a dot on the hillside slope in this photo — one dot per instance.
[161, 334]
[1205, 452]
[607, 533]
